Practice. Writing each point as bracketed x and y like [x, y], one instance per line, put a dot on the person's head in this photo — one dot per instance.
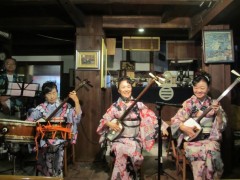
[201, 83]
[125, 87]
[10, 65]
[50, 92]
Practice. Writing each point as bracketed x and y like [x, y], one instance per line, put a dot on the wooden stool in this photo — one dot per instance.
[180, 159]
[68, 156]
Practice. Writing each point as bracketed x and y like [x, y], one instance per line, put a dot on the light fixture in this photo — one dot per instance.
[5, 35]
[141, 30]
[201, 3]
[210, 2]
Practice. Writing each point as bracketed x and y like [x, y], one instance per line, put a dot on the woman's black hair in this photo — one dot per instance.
[124, 78]
[48, 86]
[201, 75]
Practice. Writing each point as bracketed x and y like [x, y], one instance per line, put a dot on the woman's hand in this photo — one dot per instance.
[215, 106]
[73, 96]
[189, 131]
[217, 110]
[113, 125]
[164, 132]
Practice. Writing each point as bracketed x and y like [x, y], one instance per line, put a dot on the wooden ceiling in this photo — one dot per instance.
[38, 27]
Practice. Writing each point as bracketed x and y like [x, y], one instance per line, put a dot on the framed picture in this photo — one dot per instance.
[218, 46]
[128, 65]
[88, 60]
[104, 65]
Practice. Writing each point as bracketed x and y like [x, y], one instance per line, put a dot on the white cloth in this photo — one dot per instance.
[10, 79]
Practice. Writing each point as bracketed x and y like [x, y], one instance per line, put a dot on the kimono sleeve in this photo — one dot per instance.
[148, 127]
[181, 116]
[102, 128]
[35, 115]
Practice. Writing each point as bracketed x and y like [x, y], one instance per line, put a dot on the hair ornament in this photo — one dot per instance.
[207, 78]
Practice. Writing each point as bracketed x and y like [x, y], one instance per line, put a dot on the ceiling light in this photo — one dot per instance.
[5, 35]
[201, 3]
[209, 4]
[140, 30]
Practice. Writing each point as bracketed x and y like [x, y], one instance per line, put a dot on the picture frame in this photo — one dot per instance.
[104, 65]
[128, 65]
[88, 60]
[218, 46]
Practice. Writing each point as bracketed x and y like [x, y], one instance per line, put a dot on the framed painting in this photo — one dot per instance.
[128, 65]
[218, 46]
[104, 65]
[88, 60]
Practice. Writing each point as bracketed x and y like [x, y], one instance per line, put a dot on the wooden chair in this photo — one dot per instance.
[69, 155]
[178, 155]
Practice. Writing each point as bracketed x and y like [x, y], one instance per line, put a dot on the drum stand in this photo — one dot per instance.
[11, 158]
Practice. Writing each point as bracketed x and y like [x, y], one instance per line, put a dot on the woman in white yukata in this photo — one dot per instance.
[140, 132]
[50, 158]
[204, 154]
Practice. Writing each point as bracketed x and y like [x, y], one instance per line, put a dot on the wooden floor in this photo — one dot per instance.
[91, 171]
[101, 170]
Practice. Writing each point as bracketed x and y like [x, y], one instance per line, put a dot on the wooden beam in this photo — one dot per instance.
[137, 2]
[144, 22]
[75, 13]
[24, 23]
[167, 16]
[199, 21]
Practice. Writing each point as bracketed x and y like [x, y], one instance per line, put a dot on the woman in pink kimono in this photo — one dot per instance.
[204, 154]
[140, 132]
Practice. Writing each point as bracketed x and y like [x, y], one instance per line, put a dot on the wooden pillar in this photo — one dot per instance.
[221, 79]
[128, 56]
[89, 38]
[151, 57]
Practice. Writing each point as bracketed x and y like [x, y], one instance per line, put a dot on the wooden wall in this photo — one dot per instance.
[183, 50]
[221, 80]
[97, 100]
[93, 103]
[94, 100]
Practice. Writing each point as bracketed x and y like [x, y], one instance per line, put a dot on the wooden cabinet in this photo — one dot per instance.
[182, 50]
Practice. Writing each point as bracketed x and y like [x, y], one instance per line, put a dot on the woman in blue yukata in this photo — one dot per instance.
[204, 154]
[140, 132]
[50, 158]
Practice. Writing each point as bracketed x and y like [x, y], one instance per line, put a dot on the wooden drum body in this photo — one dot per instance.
[17, 131]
